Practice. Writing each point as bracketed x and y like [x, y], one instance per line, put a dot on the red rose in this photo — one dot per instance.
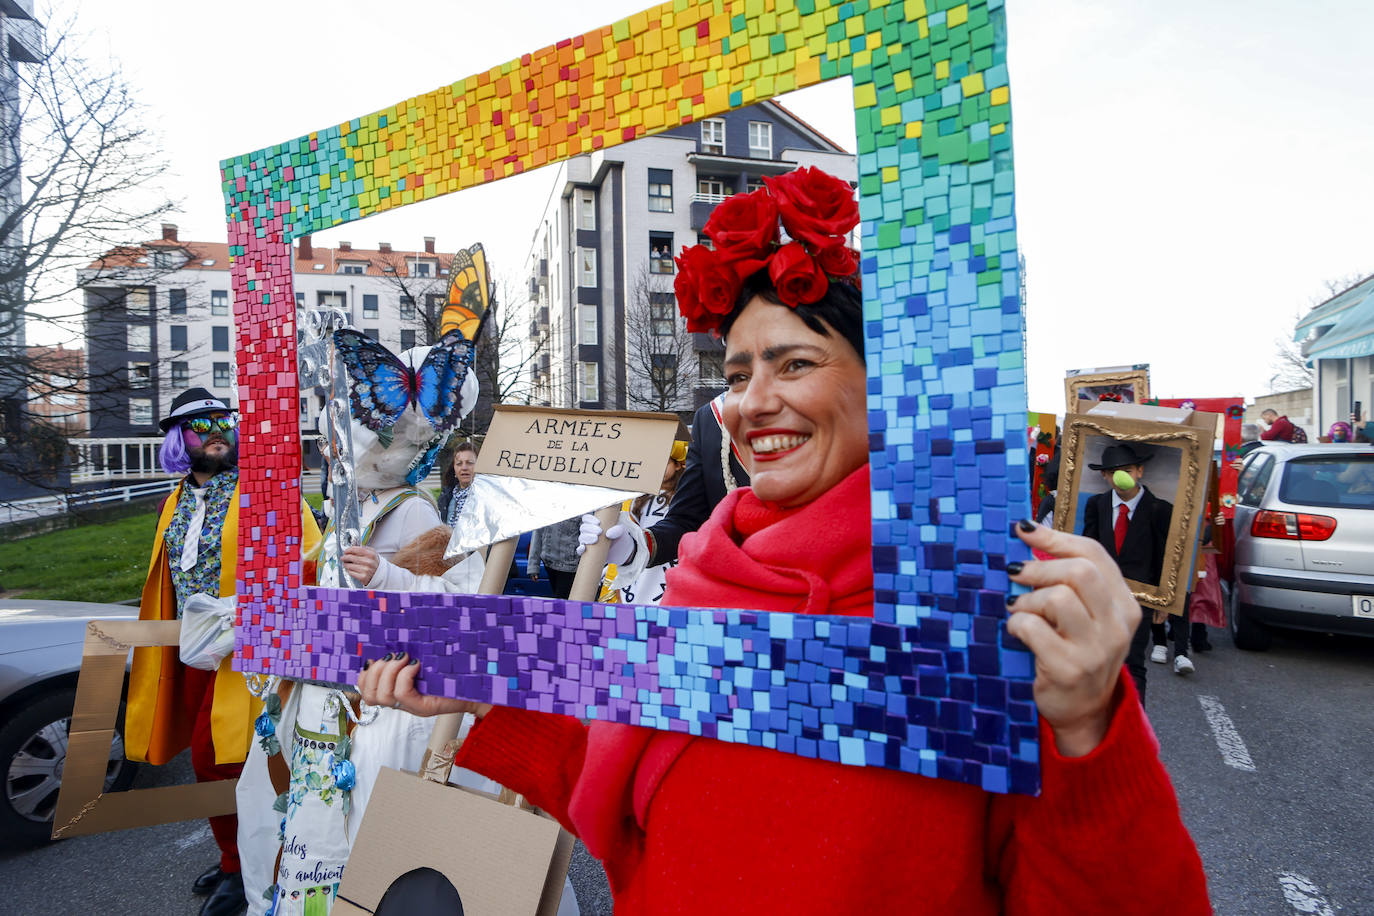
[706, 288]
[796, 276]
[744, 230]
[817, 209]
[838, 261]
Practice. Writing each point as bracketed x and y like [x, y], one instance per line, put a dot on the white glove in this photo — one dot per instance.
[622, 544]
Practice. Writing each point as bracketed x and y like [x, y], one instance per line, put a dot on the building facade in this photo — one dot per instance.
[601, 266]
[167, 324]
[55, 397]
[1337, 338]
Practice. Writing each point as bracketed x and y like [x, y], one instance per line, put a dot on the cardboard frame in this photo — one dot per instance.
[83, 807]
[1136, 376]
[930, 684]
[1194, 439]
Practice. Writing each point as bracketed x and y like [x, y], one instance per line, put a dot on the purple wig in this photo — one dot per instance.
[172, 454]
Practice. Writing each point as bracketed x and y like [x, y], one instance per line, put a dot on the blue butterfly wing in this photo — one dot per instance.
[439, 383]
[380, 385]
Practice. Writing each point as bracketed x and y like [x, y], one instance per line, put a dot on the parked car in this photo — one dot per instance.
[1304, 541]
[40, 658]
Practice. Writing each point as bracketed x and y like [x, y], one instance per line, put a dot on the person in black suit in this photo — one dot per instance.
[1133, 524]
[702, 486]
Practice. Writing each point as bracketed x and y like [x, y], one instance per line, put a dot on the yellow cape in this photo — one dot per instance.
[156, 725]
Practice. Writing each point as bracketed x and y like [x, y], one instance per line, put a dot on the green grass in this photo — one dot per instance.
[98, 562]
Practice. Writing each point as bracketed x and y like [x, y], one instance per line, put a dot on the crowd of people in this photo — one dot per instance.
[767, 506]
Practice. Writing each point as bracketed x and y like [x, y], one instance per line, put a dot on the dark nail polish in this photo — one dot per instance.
[1014, 568]
[1011, 599]
[1026, 525]
[387, 657]
[365, 664]
[415, 661]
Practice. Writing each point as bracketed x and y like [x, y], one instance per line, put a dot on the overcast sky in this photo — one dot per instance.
[1189, 172]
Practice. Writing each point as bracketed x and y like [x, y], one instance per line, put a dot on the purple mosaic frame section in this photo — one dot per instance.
[845, 689]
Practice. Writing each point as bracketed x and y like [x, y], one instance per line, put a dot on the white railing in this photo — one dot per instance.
[61, 503]
[116, 459]
[700, 198]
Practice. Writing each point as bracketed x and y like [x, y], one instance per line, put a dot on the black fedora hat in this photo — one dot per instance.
[193, 402]
[1118, 455]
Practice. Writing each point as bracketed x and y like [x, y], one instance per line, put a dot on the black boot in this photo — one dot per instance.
[228, 899]
[206, 883]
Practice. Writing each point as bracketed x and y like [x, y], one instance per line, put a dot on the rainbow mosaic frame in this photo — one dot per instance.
[931, 684]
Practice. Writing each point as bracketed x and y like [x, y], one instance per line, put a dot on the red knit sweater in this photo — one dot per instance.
[697, 826]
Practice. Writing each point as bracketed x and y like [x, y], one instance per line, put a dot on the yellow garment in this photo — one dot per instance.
[156, 726]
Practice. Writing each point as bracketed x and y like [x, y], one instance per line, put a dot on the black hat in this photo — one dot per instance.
[193, 402]
[1119, 456]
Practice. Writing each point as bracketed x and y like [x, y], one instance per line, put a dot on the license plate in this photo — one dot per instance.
[1364, 605]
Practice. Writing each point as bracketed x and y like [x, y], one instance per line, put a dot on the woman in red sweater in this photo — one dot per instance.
[693, 825]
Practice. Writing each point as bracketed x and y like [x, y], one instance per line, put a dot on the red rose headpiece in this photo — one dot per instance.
[816, 209]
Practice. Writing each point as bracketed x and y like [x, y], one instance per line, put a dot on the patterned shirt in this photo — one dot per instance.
[203, 563]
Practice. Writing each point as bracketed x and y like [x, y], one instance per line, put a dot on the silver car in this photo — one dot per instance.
[40, 657]
[1304, 541]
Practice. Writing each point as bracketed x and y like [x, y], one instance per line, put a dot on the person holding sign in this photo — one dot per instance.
[687, 824]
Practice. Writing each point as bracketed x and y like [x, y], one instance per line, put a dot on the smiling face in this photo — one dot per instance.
[796, 404]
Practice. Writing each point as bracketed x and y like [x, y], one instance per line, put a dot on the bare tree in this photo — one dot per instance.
[659, 358]
[79, 172]
[422, 295]
[507, 352]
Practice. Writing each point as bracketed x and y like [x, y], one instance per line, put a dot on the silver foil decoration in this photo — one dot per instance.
[502, 507]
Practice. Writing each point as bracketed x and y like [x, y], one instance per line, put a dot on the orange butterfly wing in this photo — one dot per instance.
[469, 293]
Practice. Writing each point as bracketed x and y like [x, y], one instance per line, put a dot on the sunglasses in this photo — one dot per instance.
[202, 425]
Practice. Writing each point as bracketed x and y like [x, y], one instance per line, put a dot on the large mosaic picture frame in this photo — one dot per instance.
[931, 684]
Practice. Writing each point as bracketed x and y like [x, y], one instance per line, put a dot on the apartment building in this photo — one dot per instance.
[601, 263]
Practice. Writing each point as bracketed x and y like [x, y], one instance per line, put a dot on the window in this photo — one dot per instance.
[331, 300]
[303, 405]
[703, 239]
[663, 370]
[369, 305]
[713, 190]
[176, 299]
[1254, 479]
[407, 308]
[178, 338]
[140, 375]
[662, 314]
[713, 136]
[711, 368]
[140, 411]
[586, 267]
[219, 339]
[587, 382]
[755, 184]
[351, 267]
[407, 339]
[587, 323]
[760, 140]
[139, 337]
[138, 303]
[660, 190]
[585, 201]
[371, 332]
[660, 252]
[219, 302]
[168, 259]
[181, 375]
[222, 375]
[423, 268]
[300, 300]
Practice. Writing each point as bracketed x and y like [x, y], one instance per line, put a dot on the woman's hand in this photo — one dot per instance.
[360, 563]
[390, 682]
[1078, 621]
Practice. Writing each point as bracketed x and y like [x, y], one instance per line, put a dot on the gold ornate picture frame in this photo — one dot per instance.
[1186, 452]
[1134, 378]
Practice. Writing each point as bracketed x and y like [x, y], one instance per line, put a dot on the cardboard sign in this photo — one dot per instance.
[499, 860]
[619, 450]
[82, 805]
[1122, 384]
[1177, 445]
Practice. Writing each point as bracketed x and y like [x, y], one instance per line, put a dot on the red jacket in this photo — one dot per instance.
[1282, 431]
[697, 826]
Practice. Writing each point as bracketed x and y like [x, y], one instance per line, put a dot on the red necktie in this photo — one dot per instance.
[1122, 520]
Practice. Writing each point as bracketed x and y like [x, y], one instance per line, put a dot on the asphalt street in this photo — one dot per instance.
[1270, 755]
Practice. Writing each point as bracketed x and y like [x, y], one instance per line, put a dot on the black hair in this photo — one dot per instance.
[841, 308]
